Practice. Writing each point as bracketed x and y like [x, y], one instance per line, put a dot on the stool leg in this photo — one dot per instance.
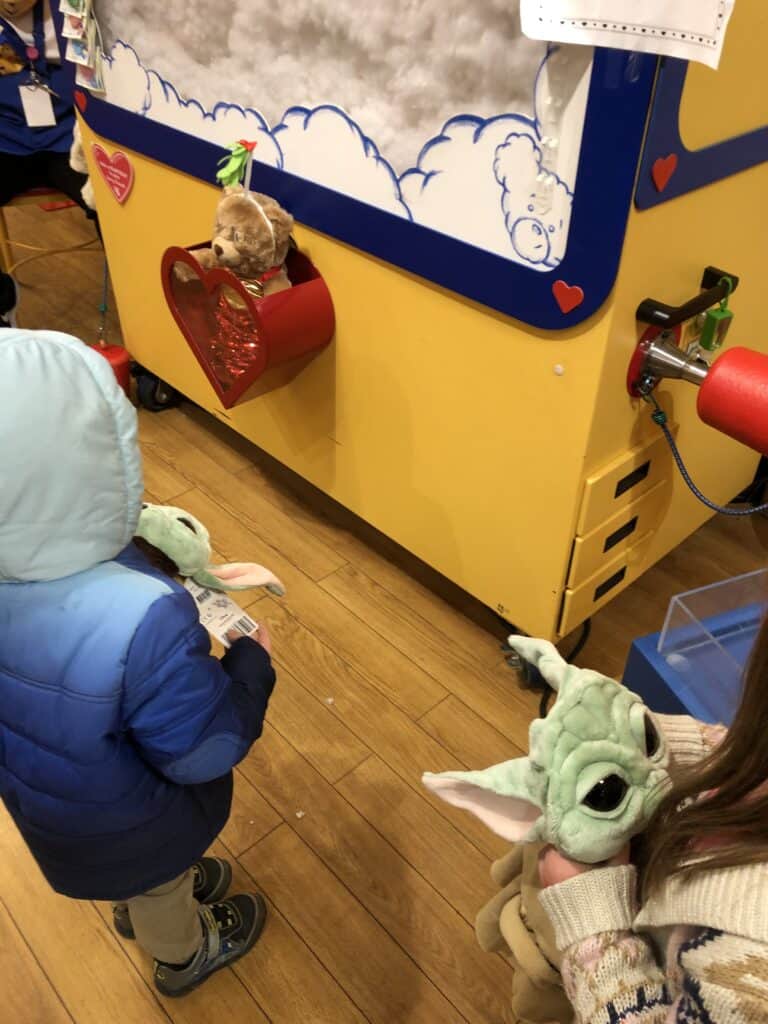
[6, 259]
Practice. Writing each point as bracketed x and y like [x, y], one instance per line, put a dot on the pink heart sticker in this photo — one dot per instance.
[116, 170]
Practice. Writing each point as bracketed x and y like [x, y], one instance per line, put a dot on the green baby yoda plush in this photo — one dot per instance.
[595, 772]
[185, 540]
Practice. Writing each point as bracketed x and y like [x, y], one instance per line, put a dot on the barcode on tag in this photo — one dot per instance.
[202, 596]
[245, 625]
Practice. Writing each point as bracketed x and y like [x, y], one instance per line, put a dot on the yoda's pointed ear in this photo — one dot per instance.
[239, 576]
[544, 655]
[500, 797]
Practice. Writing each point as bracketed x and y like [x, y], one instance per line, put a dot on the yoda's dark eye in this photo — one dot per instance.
[607, 794]
[186, 522]
[652, 741]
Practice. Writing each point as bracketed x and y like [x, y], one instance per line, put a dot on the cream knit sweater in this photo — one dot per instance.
[712, 933]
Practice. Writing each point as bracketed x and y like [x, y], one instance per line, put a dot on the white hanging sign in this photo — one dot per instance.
[691, 29]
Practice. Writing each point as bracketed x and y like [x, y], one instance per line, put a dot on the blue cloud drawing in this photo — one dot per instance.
[535, 203]
[481, 180]
[325, 145]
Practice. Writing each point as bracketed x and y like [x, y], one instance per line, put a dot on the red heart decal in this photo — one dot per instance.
[237, 338]
[662, 171]
[81, 99]
[567, 296]
[116, 170]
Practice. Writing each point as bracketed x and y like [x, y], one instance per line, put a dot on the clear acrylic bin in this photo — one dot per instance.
[708, 636]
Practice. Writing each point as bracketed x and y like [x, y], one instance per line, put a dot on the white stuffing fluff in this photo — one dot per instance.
[458, 123]
[401, 68]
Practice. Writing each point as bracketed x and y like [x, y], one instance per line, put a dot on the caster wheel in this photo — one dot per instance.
[154, 394]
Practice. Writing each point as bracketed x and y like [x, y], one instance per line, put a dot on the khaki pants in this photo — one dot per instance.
[166, 920]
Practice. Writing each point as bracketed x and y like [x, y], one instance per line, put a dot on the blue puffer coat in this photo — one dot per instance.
[118, 730]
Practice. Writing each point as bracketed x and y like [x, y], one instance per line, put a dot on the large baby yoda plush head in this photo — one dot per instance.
[252, 232]
[595, 772]
[186, 542]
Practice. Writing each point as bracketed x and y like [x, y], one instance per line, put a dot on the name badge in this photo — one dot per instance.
[38, 106]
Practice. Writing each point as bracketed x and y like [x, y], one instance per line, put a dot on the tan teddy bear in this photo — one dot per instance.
[252, 235]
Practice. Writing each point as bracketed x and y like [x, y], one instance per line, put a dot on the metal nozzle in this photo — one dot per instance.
[665, 359]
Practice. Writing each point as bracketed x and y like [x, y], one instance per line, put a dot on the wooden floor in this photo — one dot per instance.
[372, 886]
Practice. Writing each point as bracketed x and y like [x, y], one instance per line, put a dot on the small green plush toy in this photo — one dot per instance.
[185, 540]
[595, 773]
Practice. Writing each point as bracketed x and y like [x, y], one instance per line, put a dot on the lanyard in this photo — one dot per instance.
[34, 54]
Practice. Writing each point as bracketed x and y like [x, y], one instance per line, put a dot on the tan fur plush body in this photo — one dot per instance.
[78, 163]
[251, 238]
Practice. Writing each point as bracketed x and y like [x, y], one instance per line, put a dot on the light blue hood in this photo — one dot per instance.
[70, 468]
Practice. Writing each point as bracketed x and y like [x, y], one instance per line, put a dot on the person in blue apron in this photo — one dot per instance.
[36, 84]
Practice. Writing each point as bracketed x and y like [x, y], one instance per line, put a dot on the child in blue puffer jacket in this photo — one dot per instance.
[118, 730]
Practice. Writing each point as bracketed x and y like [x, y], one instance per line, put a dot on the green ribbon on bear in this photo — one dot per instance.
[237, 165]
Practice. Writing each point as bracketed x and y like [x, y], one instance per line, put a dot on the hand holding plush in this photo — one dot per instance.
[595, 773]
[185, 540]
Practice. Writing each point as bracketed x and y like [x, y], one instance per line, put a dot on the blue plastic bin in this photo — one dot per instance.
[695, 665]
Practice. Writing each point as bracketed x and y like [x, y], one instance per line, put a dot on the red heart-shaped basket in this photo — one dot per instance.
[236, 337]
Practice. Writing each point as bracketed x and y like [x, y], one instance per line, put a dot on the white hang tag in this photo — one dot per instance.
[219, 613]
[38, 106]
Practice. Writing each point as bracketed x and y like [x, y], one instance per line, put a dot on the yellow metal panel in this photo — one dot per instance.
[615, 576]
[665, 251]
[720, 104]
[436, 420]
[444, 424]
[619, 533]
[616, 486]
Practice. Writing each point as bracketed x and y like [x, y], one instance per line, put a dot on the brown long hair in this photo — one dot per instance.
[733, 809]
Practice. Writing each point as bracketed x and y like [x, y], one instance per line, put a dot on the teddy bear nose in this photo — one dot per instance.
[217, 249]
